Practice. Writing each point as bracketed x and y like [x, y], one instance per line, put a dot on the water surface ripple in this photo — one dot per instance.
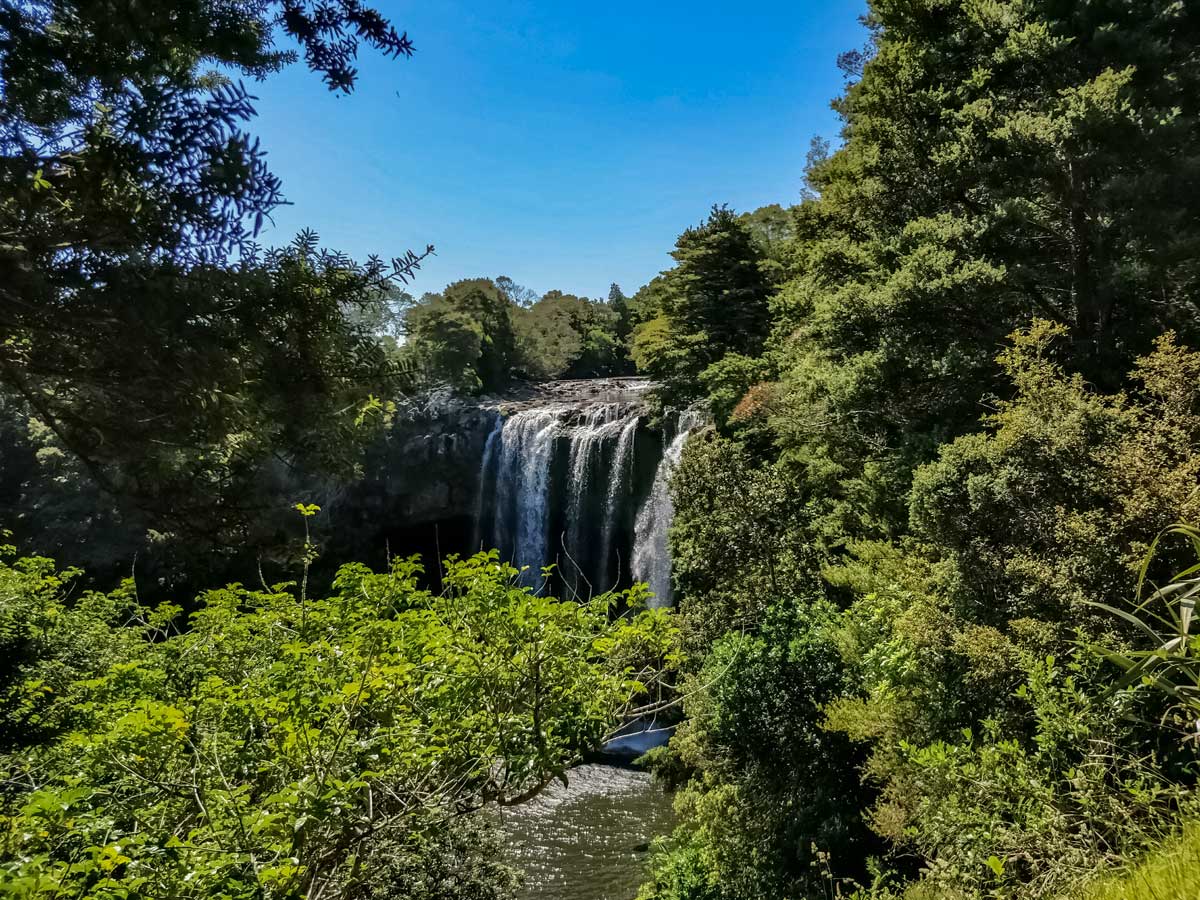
[587, 841]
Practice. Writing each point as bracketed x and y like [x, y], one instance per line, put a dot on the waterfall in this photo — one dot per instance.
[522, 512]
[555, 483]
[568, 480]
[651, 561]
[587, 442]
[620, 484]
[487, 477]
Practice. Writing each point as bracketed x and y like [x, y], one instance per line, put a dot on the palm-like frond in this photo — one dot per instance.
[1165, 617]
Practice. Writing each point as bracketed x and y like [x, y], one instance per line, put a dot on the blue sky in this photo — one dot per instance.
[564, 144]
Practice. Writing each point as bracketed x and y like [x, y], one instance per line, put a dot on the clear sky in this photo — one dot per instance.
[564, 144]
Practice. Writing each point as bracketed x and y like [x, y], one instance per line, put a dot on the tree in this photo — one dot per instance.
[143, 328]
[712, 303]
[517, 294]
[480, 300]
[464, 336]
[773, 229]
[549, 344]
[620, 304]
[118, 136]
[447, 343]
[770, 804]
[563, 335]
[1000, 162]
[199, 393]
[277, 745]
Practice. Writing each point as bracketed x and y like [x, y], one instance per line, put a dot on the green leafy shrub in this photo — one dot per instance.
[1008, 814]
[764, 802]
[1057, 501]
[278, 746]
[736, 539]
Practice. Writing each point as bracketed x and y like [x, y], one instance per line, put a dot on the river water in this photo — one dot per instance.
[588, 840]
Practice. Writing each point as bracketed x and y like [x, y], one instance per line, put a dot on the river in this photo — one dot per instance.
[588, 840]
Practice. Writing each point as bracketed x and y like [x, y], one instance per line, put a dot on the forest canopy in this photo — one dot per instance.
[481, 335]
[940, 463]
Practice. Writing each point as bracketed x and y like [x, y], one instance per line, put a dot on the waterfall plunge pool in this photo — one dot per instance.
[587, 840]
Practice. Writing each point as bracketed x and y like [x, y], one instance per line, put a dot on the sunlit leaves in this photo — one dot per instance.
[271, 746]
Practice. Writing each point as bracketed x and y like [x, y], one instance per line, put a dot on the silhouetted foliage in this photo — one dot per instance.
[144, 331]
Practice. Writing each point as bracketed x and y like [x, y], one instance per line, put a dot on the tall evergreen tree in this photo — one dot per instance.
[619, 304]
[713, 303]
[1001, 161]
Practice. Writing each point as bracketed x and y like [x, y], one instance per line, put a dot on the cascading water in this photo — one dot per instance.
[651, 550]
[620, 485]
[522, 511]
[586, 456]
[555, 487]
[561, 481]
[487, 477]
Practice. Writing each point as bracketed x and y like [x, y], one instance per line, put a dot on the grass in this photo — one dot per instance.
[1170, 872]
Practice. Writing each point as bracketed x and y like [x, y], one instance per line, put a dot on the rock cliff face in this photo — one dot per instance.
[427, 467]
[419, 486]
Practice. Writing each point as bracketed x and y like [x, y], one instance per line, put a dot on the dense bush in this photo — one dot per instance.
[1057, 502]
[946, 650]
[476, 336]
[767, 801]
[277, 745]
[564, 336]
[948, 502]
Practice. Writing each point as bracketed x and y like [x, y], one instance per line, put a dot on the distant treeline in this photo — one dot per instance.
[482, 334]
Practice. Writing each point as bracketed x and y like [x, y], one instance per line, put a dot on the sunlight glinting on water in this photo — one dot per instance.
[588, 840]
